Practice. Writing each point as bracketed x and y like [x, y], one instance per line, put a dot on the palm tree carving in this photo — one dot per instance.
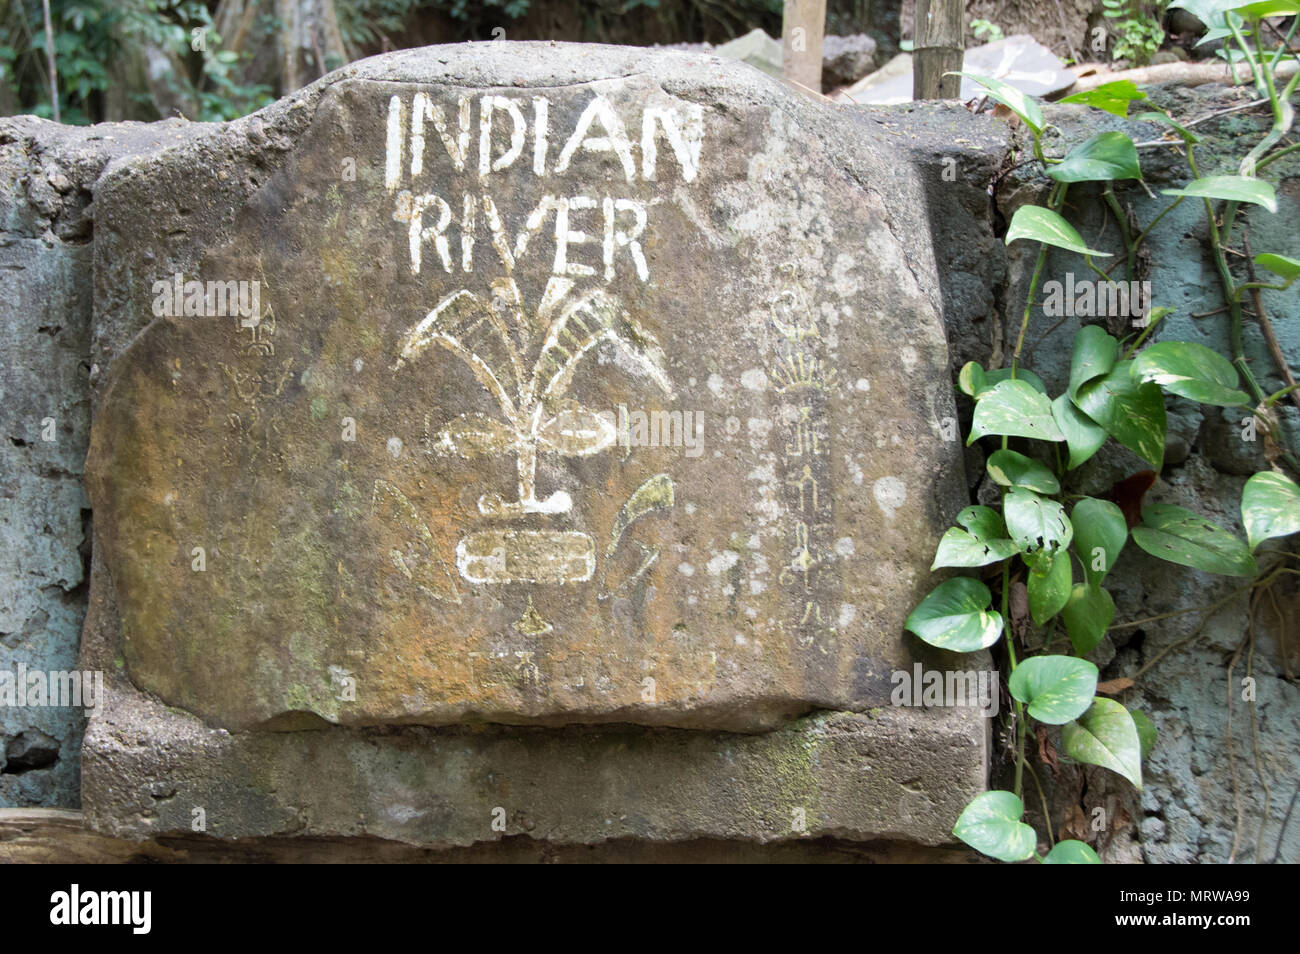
[535, 414]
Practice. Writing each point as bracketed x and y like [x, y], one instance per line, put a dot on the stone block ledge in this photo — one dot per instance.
[887, 774]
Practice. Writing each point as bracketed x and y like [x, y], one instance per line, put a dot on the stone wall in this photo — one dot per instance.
[47, 177]
[1193, 808]
[93, 217]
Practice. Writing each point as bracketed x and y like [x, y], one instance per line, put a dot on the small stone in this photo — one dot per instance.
[55, 177]
[846, 59]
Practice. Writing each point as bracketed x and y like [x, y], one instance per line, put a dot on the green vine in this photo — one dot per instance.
[1116, 392]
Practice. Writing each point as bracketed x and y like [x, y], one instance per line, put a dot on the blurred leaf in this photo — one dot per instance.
[1230, 189]
[1020, 103]
[1113, 97]
[1288, 268]
[1087, 615]
[1180, 536]
[1071, 852]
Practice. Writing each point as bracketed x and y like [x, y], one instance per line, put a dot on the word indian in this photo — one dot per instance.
[510, 131]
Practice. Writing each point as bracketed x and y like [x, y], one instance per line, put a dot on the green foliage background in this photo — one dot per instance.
[149, 59]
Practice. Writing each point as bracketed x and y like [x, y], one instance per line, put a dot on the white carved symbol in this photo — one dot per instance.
[534, 415]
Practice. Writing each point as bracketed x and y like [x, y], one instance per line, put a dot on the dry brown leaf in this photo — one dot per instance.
[1113, 687]
[1047, 751]
[1075, 826]
[1019, 610]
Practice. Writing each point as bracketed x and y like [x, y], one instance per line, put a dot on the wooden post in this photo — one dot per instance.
[802, 29]
[938, 49]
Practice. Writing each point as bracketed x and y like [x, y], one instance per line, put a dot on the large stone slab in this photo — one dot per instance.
[413, 483]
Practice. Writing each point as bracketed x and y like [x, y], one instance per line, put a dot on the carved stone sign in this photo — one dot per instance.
[611, 400]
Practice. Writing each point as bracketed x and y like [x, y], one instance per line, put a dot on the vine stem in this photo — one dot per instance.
[1054, 201]
[1130, 247]
[1235, 340]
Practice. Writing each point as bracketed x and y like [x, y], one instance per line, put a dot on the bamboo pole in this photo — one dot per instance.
[802, 28]
[938, 49]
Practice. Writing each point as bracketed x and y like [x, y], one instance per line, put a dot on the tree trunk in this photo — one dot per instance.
[310, 43]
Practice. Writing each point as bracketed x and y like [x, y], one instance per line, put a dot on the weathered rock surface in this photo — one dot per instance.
[47, 173]
[409, 487]
[412, 485]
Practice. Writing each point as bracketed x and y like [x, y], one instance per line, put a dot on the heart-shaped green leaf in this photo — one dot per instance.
[991, 825]
[1010, 469]
[983, 541]
[1048, 585]
[1071, 852]
[1087, 615]
[1083, 435]
[1146, 730]
[1230, 189]
[1131, 411]
[956, 616]
[1106, 156]
[1192, 371]
[1015, 408]
[1057, 689]
[1037, 524]
[1270, 507]
[1180, 536]
[1043, 225]
[1113, 97]
[1105, 735]
[1100, 533]
[1020, 103]
[1094, 356]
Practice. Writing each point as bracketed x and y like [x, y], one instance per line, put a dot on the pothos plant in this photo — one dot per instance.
[1066, 544]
